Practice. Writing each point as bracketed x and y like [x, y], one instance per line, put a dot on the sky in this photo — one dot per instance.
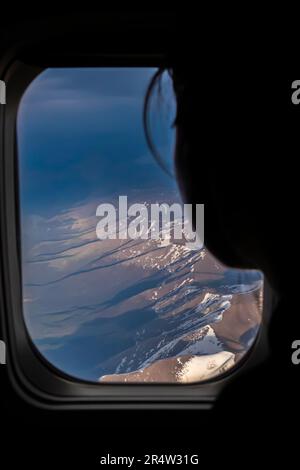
[80, 134]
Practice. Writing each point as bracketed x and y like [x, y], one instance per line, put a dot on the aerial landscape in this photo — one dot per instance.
[133, 310]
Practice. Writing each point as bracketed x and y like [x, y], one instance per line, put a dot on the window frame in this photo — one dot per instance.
[33, 377]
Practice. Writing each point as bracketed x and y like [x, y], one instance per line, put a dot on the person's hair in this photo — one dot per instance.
[155, 83]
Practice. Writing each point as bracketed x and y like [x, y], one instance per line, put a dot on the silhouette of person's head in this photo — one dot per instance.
[232, 154]
[236, 152]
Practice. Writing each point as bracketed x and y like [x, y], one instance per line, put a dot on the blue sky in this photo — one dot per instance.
[80, 134]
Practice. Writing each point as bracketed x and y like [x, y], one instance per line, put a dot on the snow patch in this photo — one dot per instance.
[204, 367]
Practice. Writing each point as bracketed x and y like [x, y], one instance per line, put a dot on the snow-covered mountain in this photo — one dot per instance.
[99, 308]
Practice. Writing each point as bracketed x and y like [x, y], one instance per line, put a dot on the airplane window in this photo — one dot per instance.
[100, 305]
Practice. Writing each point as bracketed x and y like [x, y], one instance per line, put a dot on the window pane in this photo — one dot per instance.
[121, 310]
